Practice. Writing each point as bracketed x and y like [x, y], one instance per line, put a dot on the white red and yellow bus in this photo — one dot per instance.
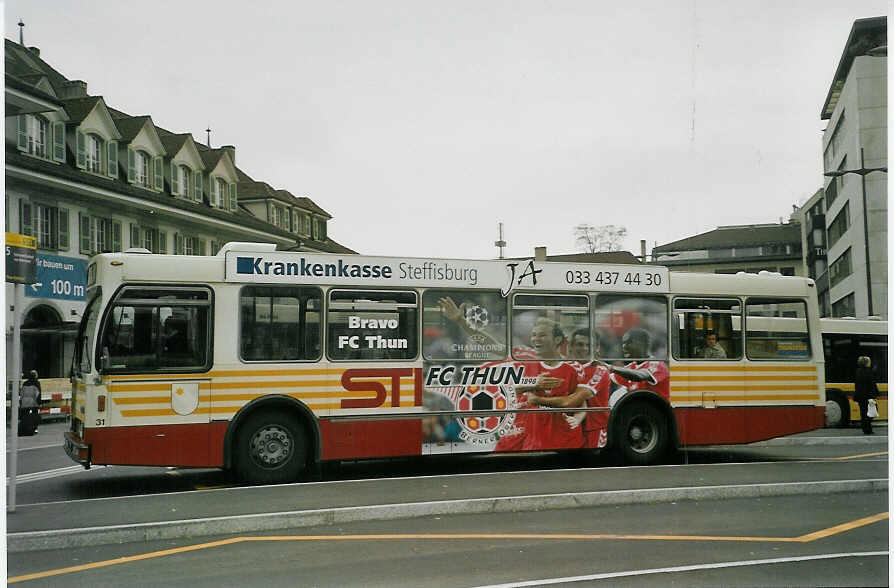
[844, 340]
[270, 362]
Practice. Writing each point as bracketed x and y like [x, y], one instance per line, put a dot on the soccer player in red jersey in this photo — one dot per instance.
[593, 392]
[555, 378]
[642, 372]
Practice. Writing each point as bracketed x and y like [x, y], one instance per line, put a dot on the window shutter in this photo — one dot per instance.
[134, 235]
[198, 193]
[269, 212]
[175, 179]
[159, 173]
[84, 222]
[59, 141]
[131, 166]
[116, 235]
[162, 242]
[201, 246]
[25, 218]
[82, 149]
[23, 133]
[93, 244]
[178, 244]
[214, 247]
[232, 197]
[113, 159]
[64, 242]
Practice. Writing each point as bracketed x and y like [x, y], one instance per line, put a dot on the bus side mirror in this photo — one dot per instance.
[105, 359]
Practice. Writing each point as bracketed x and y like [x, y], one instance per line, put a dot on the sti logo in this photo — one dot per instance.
[336, 269]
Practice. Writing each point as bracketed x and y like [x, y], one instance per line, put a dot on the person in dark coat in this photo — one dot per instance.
[864, 389]
[29, 405]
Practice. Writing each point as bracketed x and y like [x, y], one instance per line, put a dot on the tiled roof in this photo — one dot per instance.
[601, 257]
[248, 190]
[736, 236]
[130, 127]
[21, 61]
[171, 142]
[309, 204]
[210, 157]
[79, 108]
[22, 83]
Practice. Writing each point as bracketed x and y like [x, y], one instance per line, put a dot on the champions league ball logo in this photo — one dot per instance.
[476, 317]
[485, 429]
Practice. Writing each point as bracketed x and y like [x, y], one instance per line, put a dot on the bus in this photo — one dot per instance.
[844, 340]
[268, 363]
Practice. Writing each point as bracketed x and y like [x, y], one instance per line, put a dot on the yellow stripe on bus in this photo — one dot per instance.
[744, 378]
[151, 387]
[245, 373]
[677, 368]
[719, 388]
[762, 397]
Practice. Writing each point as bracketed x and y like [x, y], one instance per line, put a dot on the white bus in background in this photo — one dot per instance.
[844, 340]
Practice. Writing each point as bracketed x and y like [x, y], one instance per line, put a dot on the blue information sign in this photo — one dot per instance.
[62, 278]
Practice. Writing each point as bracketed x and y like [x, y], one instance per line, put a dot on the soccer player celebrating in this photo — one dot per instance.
[642, 372]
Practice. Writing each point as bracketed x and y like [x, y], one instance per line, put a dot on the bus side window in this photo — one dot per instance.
[707, 328]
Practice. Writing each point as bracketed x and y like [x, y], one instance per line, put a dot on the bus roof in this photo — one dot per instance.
[847, 326]
[259, 263]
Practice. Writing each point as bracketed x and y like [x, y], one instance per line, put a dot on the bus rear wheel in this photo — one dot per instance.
[838, 411]
[642, 434]
[270, 448]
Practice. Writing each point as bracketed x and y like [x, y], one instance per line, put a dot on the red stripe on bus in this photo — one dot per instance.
[375, 438]
[744, 424]
[194, 445]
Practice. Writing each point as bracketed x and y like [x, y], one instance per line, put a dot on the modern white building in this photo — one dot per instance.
[855, 191]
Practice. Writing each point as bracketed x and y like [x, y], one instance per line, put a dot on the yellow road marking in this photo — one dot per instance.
[451, 536]
[859, 455]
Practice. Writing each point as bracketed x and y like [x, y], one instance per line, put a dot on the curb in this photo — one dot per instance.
[790, 441]
[189, 528]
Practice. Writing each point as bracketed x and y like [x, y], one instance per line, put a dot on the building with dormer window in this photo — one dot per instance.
[83, 178]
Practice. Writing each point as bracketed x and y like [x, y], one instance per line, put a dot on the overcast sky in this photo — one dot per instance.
[420, 125]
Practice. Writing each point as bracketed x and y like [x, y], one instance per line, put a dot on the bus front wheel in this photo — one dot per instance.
[641, 434]
[270, 448]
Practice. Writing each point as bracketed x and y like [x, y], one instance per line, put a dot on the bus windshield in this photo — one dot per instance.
[84, 343]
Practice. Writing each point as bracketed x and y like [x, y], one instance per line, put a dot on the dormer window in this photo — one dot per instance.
[142, 161]
[95, 153]
[38, 137]
[182, 181]
[220, 187]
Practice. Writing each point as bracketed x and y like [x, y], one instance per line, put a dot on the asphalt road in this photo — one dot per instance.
[801, 540]
[834, 540]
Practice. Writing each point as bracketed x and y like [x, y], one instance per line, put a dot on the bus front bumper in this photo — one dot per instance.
[77, 450]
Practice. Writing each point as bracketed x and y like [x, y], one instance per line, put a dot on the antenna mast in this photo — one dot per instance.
[500, 242]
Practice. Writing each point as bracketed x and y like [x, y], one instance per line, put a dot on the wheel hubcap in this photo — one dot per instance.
[271, 446]
[642, 435]
[833, 413]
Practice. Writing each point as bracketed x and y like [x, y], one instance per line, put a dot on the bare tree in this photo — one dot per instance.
[592, 239]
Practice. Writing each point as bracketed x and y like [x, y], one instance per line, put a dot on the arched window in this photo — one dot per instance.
[142, 169]
[185, 178]
[224, 200]
[95, 153]
[37, 129]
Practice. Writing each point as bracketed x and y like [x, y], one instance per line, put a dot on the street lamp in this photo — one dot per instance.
[862, 172]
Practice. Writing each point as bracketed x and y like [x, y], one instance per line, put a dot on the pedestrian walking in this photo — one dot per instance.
[29, 405]
[865, 389]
